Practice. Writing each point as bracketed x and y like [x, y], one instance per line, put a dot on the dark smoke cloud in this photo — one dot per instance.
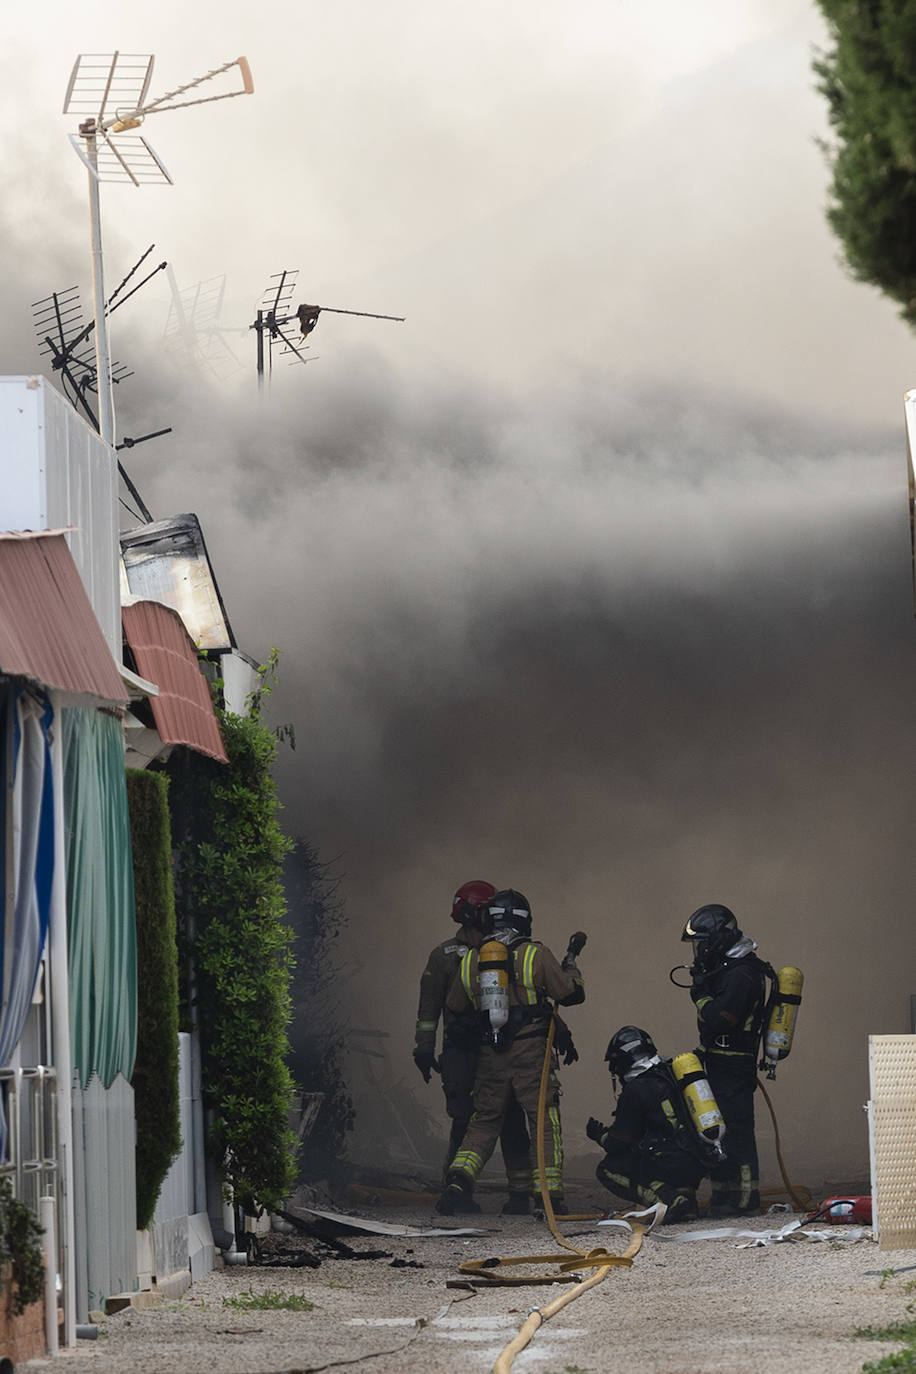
[627, 645]
[626, 649]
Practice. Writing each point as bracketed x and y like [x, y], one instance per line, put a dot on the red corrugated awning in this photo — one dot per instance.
[164, 653]
[48, 630]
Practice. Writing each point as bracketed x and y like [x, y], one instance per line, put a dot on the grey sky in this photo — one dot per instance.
[591, 578]
[537, 187]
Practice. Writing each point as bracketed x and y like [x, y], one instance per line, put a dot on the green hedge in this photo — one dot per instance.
[155, 1077]
[232, 851]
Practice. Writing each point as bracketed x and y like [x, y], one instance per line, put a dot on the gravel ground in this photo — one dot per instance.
[683, 1308]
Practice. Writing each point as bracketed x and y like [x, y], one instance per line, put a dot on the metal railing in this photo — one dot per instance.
[31, 1163]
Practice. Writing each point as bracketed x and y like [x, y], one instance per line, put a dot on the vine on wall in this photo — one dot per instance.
[230, 864]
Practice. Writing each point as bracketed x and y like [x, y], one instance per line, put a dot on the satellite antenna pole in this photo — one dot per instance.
[102, 359]
[192, 332]
[259, 326]
[110, 91]
[276, 311]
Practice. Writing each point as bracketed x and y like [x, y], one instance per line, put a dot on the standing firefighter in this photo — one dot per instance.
[508, 986]
[457, 1062]
[729, 990]
[652, 1151]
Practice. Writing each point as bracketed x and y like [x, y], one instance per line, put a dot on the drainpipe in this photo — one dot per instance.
[47, 1215]
[59, 973]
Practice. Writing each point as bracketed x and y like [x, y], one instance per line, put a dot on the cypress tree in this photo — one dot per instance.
[155, 1076]
[868, 77]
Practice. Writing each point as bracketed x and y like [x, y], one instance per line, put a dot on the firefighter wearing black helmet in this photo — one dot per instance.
[511, 1059]
[652, 1153]
[729, 991]
[457, 1061]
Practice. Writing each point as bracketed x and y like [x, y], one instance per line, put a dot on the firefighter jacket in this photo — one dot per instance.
[730, 1004]
[536, 979]
[441, 967]
[650, 1116]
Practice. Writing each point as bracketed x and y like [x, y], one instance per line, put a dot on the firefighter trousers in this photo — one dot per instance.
[648, 1177]
[501, 1076]
[459, 1070]
[735, 1182]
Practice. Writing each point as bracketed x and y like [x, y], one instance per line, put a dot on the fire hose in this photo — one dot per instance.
[800, 1197]
[599, 1260]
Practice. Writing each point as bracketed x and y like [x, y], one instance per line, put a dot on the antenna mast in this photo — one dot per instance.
[109, 90]
[275, 313]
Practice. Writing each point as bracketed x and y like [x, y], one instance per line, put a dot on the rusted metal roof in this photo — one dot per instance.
[164, 653]
[48, 630]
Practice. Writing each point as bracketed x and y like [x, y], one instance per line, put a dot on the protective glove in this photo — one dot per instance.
[699, 986]
[564, 1043]
[595, 1129]
[575, 947]
[699, 992]
[426, 1062]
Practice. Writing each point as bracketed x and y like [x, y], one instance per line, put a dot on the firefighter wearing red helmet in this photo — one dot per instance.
[512, 1038]
[457, 1062]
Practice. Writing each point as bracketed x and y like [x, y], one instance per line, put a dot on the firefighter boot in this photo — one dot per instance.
[516, 1205]
[457, 1197]
[557, 1202]
[725, 1209]
[682, 1207]
[732, 1203]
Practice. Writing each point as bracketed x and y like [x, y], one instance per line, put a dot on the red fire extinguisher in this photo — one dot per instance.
[837, 1211]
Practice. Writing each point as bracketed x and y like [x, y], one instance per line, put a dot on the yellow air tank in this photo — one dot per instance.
[697, 1094]
[780, 1029]
[493, 971]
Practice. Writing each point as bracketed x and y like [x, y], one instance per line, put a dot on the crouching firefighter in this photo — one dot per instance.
[729, 990]
[509, 985]
[457, 1061]
[662, 1140]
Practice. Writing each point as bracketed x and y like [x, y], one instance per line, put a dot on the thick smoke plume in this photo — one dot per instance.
[626, 643]
[627, 650]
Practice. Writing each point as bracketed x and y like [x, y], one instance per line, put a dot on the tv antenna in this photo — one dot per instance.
[110, 91]
[193, 335]
[62, 336]
[276, 314]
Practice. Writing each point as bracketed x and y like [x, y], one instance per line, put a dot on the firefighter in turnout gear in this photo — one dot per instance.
[729, 990]
[457, 1062]
[652, 1153]
[512, 1022]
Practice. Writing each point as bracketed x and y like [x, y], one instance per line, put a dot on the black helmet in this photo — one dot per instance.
[713, 930]
[628, 1046]
[512, 909]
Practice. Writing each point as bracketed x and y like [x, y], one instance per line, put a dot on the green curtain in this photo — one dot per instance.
[100, 898]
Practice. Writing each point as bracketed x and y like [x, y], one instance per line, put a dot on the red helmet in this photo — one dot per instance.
[469, 898]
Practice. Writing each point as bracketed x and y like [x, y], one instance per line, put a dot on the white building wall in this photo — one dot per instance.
[56, 472]
[240, 679]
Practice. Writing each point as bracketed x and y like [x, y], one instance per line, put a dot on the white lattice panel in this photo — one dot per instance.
[892, 1116]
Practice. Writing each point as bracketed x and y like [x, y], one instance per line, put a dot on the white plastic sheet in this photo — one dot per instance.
[751, 1240]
